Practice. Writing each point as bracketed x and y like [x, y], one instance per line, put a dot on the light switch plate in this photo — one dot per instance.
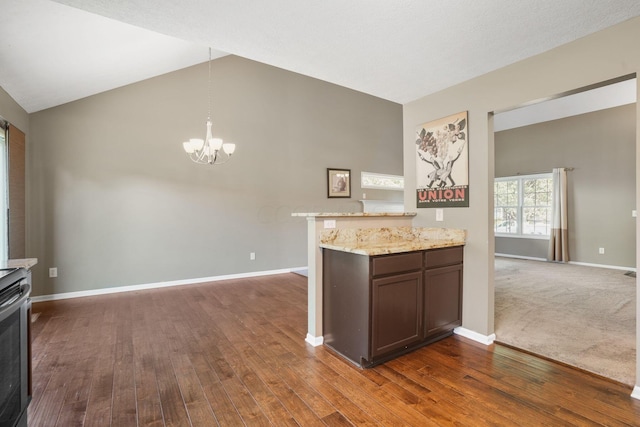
[439, 214]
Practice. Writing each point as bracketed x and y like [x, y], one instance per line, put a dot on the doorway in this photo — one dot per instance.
[591, 132]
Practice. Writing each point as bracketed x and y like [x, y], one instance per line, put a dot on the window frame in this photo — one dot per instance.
[520, 206]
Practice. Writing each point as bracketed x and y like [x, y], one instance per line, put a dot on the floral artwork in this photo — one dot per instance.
[442, 162]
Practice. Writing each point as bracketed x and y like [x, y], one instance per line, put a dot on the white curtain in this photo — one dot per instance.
[558, 240]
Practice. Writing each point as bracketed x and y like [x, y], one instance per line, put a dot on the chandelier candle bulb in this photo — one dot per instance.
[197, 143]
[188, 147]
[229, 148]
[215, 143]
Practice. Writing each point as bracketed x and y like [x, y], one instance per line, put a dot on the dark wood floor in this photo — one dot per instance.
[233, 353]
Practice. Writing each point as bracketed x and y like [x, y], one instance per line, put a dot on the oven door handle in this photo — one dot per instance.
[9, 309]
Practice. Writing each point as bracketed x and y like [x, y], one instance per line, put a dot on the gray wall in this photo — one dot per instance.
[115, 201]
[599, 57]
[600, 146]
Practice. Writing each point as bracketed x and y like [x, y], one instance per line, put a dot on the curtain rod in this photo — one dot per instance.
[538, 173]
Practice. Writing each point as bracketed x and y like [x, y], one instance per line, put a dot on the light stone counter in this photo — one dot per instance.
[353, 214]
[389, 240]
[26, 263]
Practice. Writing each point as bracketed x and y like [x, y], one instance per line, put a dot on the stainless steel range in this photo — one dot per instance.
[15, 346]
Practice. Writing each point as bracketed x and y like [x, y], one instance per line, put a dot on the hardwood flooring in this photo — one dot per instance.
[233, 353]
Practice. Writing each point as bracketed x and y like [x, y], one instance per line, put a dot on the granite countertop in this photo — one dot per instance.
[17, 263]
[389, 240]
[353, 214]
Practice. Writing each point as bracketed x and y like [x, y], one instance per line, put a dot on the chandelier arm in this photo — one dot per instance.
[222, 160]
[219, 159]
[195, 157]
[200, 156]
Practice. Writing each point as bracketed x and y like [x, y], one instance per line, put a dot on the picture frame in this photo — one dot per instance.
[338, 183]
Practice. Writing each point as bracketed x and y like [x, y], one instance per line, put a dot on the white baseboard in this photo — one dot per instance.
[303, 271]
[116, 289]
[585, 264]
[612, 267]
[472, 335]
[314, 341]
[636, 392]
[521, 257]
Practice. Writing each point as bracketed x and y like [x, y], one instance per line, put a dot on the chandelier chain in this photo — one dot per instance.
[209, 116]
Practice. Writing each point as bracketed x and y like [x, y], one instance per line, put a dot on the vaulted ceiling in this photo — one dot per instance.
[53, 52]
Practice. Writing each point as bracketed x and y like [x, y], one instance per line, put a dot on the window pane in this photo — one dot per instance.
[536, 221]
[542, 185]
[529, 189]
[537, 192]
[506, 193]
[544, 199]
[506, 220]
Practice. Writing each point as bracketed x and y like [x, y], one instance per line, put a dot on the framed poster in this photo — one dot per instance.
[442, 163]
[338, 183]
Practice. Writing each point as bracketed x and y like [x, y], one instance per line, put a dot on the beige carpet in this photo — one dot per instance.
[582, 316]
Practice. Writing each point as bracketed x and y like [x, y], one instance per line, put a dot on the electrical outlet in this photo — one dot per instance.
[252, 256]
[601, 251]
[53, 272]
[329, 223]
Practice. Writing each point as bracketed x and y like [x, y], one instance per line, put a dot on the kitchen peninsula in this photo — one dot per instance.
[387, 291]
[332, 232]
[316, 224]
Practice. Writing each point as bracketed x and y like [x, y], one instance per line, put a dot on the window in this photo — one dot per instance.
[381, 181]
[522, 205]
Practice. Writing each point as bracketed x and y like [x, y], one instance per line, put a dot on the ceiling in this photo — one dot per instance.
[56, 52]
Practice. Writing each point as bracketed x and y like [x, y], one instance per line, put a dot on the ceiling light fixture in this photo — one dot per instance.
[212, 151]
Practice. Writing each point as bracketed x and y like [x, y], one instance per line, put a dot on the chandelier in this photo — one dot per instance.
[210, 150]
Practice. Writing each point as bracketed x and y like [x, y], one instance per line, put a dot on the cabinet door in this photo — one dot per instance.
[396, 309]
[443, 299]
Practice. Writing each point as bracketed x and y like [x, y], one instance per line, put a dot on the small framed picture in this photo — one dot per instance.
[338, 183]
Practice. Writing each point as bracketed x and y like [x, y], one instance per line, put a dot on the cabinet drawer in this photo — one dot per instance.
[390, 264]
[441, 257]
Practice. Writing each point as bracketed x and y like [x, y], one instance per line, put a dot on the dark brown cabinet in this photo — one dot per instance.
[378, 307]
[396, 309]
[443, 290]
